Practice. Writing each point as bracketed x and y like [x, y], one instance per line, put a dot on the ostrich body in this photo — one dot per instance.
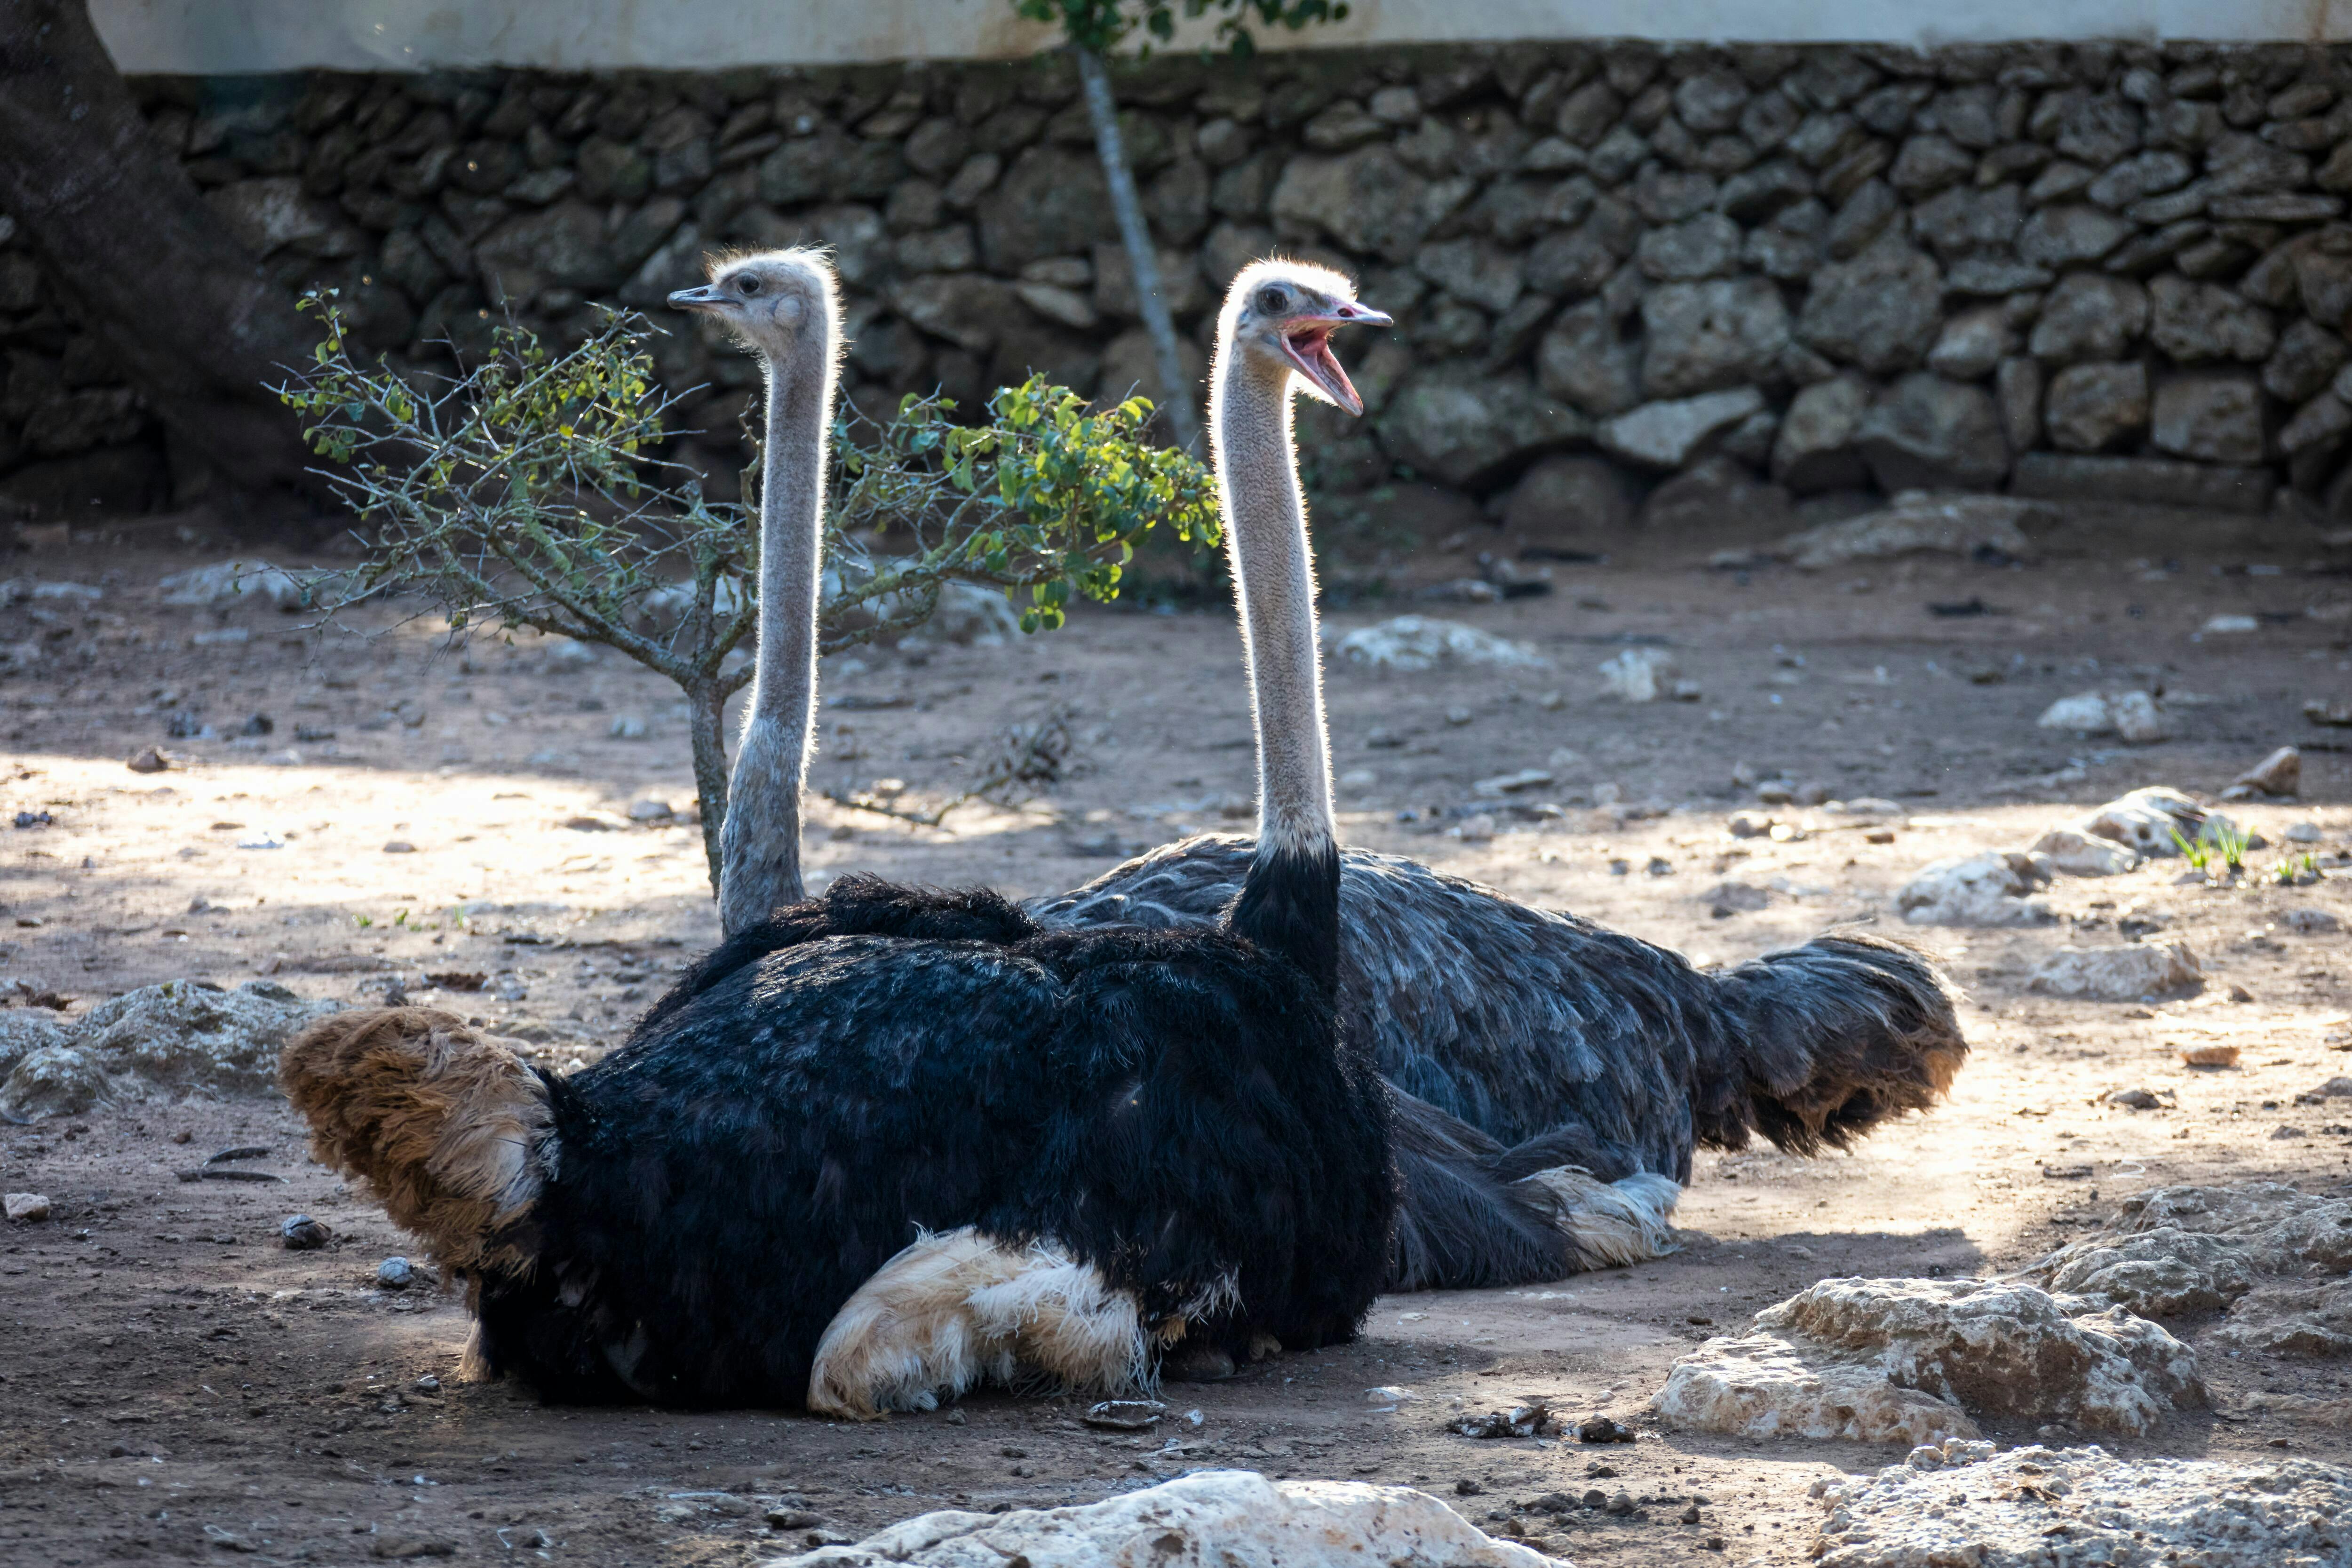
[893, 1140]
[1527, 1039]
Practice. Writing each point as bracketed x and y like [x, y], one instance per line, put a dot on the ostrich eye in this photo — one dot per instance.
[749, 285]
[1274, 301]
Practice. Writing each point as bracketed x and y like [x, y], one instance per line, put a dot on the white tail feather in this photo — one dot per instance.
[959, 1309]
[1612, 1223]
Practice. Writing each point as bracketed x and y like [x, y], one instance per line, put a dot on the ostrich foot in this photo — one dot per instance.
[1610, 1224]
[959, 1309]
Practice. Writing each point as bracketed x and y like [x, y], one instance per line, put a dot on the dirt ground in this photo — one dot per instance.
[172, 1384]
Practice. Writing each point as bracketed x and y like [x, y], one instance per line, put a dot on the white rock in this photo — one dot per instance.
[2127, 974]
[2230, 625]
[2075, 853]
[1423, 642]
[180, 1037]
[1912, 1361]
[1231, 1518]
[2147, 820]
[26, 1209]
[1511, 784]
[2084, 713]
[2276, 1258]
[1637, 674]
[1916, 521]
[226, 582]
[1988, 889]
[2033, 1507]
[23, 1031]
[2139, 721]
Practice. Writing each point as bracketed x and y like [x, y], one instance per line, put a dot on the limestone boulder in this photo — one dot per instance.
[2133, 972]
[1467, 425]
[2198, 322]
[1415, 643]
[2033, 1507]
[267, 214]
[1051, 202]
[2091, 406]
[1922, 1360]
[2148, 819]
[2065, 234]
[1568, 499]
[1927, 432]
[1992, 888]
[2089, 316]
[1813, 449]
[1586, 361]
[1669, 433]
[1880, 311]
[1704, 337]
[2075, 853]
[1368, 200]
[184, 1037]
[561, 245]
[1971, 344]
[23, 1031]
[1235, 1518]
[2212, 416]
[1916, 522]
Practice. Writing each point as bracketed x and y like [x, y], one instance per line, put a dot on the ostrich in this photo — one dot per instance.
[892, 1140]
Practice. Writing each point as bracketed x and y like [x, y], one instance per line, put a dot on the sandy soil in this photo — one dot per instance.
[172, 1384]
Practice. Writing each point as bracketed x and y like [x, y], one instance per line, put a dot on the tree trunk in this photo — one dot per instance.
[121, 233]
[1184, 416]
[706, 728]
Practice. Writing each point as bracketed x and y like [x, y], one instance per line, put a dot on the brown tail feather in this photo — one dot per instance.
[445, 1129]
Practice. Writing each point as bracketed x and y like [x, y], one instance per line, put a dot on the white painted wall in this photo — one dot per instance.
[208, 37]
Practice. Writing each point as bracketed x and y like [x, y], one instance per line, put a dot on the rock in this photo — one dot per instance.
[1726, 899]
[1702, 337]
[2276, 1259]
[2312, 922]
[1600, 1429]
[1529, 1420]
[1236, 1516]
[2307, 358]
[2063, 236]
[1966, 1507]
[150, 759]
[2017, 388]
[1667, 435]
[1971, 344]
[395, 1274]
[230, 582]
[2130, 714]
[1637, 674]
[1814, 450]
[26, 1209]
[564, 246]
[2212, 416]
[1988, 889]
[2088, 406]
[1477, 271]
[1419, 642]
[1051, 202]
[1918, 1361]
[1563, 497]
[1367, 200]
[2127, 974]
[23, 1031]
[1586, 360]
[2279, 774]
[300, 1232]
[1707, 246]
[180, 1037]
[965, 308]
[2075, 853]
[1928, 432]
[2152, 481]
[1462, 424]
[1881, 312]
[2145, 821]
[1917, 520]
[2195, 322]
[2089, 316]
[269, 214]
[2139, 721]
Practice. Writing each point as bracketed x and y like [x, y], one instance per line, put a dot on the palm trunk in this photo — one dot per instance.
[144, 264]
[1141, 258]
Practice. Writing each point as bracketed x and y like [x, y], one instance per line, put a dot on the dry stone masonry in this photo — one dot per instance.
[2086, 270]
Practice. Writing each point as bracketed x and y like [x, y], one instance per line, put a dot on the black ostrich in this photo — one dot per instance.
[1530, 1040]
[893, 1142]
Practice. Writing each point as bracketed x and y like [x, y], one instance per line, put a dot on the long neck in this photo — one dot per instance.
[760, 852]
[1289, 899]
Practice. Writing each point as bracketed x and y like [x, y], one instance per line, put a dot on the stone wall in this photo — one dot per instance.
[2086, 270]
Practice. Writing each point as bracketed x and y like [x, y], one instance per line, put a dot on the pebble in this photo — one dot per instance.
[1749, 824]
[1475, 829]
[28, 1208]
[627, 726]
[792, 1518]
[428, 1384]
[1603, 1429]
[650, 811]
[2304, 833]
[399, 846]
[300, 1232]
[1459, 716]
[395, 1274]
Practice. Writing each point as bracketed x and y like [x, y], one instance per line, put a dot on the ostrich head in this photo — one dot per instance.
[781, 303]
[1279, 317]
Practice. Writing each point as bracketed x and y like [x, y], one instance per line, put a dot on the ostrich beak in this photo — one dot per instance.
[706, 298]
[1308, 344]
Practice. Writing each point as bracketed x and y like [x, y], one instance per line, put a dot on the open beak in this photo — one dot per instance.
[706, 298]
[1308, 343]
